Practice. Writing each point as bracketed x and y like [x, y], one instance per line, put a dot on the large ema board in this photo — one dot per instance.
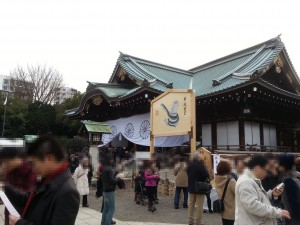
[173, 113]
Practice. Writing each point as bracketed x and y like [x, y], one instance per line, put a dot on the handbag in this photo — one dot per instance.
[218, 205]
[202, 187]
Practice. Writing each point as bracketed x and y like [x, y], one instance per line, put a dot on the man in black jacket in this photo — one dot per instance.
[196, 172]
[56, 199]
[109, 182]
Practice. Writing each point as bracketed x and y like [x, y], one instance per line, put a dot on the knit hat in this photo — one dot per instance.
[286, 160]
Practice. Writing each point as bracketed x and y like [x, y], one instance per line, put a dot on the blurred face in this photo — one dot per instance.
[261, 172]
[42, 167]
[38, 166]
[272, 163]
[240, 167]
[85, 163]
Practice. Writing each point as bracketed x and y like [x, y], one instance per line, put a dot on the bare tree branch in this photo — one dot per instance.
[36, 83]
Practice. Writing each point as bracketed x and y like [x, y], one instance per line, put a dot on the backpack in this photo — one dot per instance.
[218, 205]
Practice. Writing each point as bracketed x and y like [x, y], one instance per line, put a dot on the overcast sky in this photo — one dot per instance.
[82, 39]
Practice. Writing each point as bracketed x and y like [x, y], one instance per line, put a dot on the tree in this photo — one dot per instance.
[36, 83]
[41, 118]
[77, 144]
[16, 114]
[64, 126]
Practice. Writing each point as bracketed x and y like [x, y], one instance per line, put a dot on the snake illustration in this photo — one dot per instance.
[173, 117]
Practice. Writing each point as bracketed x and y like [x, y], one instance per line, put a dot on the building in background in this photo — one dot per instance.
[249, 100]
[63, 94]
[5, 83]
[11, 87]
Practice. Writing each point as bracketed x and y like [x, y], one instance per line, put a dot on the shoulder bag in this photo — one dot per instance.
[218, 205]
[202, 187]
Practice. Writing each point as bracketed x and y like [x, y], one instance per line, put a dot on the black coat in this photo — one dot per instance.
[55, 203]
[109, 179]
[196, 172]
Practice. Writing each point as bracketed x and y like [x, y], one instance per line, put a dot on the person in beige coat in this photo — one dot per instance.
[223, 170]
[253, 205]
[181, 183]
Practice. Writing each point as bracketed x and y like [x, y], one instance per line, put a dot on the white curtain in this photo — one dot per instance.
[136, 129]
[227, 134]
[252, 133]
[270, 137]
[206, 134]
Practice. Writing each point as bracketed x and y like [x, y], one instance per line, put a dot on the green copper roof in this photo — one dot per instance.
[213, 77]
[96, 127]
[109, 91]
[209, 78]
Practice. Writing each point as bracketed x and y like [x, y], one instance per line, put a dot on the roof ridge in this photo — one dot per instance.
[285, 52]
[110, 84]
[219, 79]
[235, 55]
[159, 65]
[151, 74]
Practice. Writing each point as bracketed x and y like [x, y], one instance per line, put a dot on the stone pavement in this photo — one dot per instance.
[88, 216]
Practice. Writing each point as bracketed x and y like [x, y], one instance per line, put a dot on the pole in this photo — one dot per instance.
[151, 134]
[4, 120]
[193, 125]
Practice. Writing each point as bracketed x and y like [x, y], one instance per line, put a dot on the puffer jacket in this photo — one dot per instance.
[151, 178]
[253, 205]
[181, 179]
[229, 199]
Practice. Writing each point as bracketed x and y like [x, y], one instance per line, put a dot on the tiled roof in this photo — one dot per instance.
[213, 77]
[209, 78]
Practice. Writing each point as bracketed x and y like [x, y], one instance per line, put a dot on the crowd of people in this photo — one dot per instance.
[267, 191]
[45, 186]
[261, 189]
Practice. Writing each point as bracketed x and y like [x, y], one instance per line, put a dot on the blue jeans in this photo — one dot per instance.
[185, 196]
[109, 207]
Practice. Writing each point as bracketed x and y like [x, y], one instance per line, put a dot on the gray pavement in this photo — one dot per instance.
[87, 216]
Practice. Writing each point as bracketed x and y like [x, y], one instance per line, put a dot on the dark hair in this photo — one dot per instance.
[46, 145]
[11, 152]
[106, 160]
[223, 168]
[257, 160]
[286, 160]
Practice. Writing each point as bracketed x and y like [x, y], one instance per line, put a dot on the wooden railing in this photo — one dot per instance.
[252, 148]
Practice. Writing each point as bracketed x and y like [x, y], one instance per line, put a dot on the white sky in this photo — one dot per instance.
[82, 39]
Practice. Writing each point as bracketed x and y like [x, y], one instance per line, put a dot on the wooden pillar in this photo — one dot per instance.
[295, 141]
[242, 134]
[261, 132]
[151, 134]
[214, 139]
[151, 145]
[193, 125]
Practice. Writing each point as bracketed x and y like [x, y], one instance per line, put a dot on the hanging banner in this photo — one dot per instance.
[217, 159]
[136, 129]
